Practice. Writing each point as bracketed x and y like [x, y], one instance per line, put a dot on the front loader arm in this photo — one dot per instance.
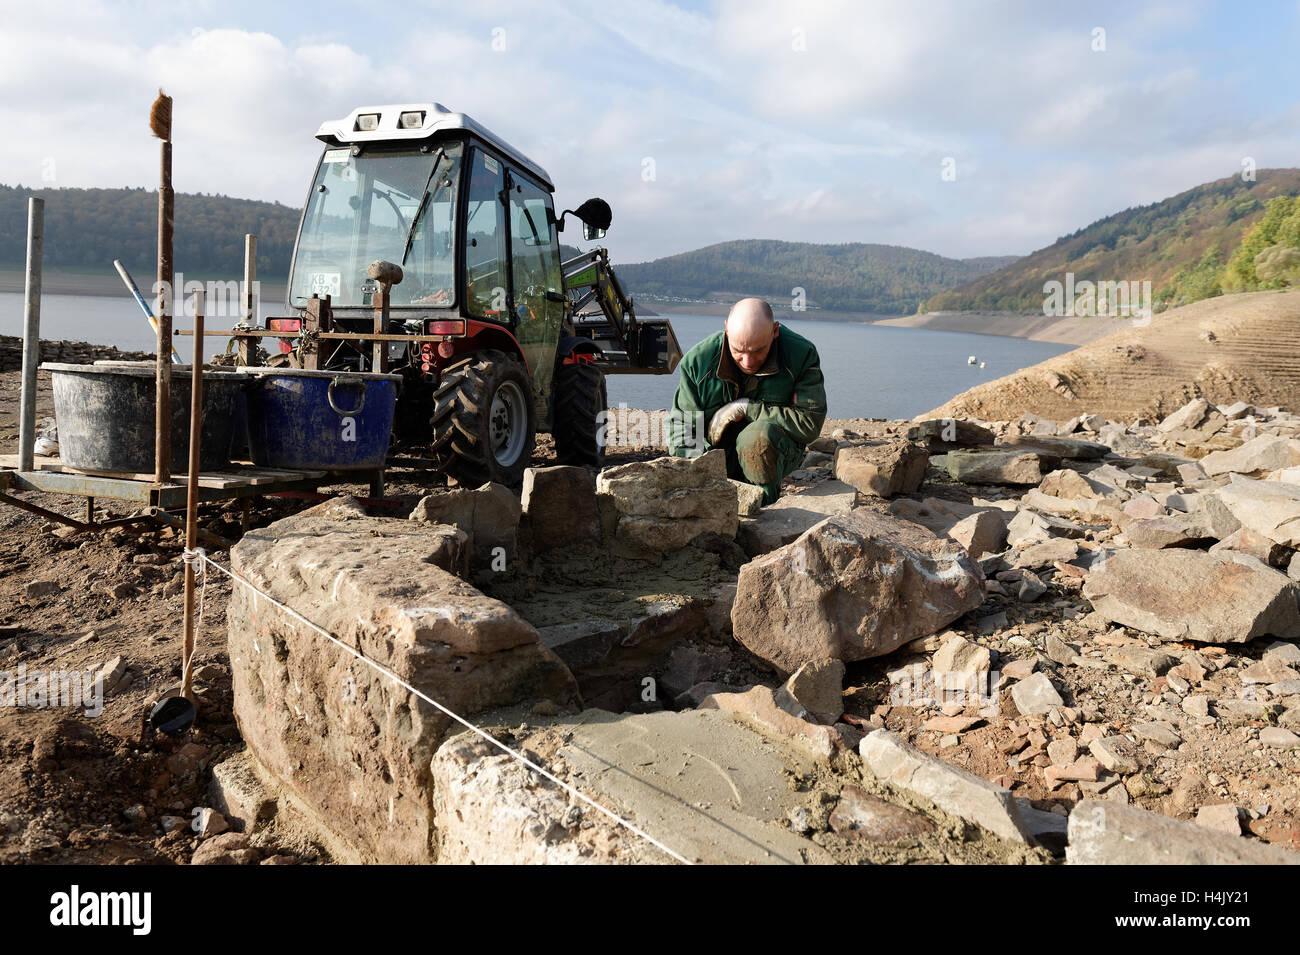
[628, 345]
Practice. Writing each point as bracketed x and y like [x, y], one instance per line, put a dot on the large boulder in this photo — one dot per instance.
[1269, 508]
[1190, 595]
[853, 586]
[664, 504]
[882, 468]
[352, 745]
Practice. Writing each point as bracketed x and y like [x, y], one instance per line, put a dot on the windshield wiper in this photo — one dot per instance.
[424, 201]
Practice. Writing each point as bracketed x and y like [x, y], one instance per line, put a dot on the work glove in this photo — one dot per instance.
[725, 417]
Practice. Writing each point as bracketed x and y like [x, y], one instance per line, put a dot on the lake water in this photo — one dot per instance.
[872, 371]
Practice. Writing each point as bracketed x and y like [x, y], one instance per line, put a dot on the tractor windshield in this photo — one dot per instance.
[374, 206]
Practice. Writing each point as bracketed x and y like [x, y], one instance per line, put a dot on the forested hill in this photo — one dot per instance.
[89, 228]
[855, 276]
[86, 229]
[1190, 246]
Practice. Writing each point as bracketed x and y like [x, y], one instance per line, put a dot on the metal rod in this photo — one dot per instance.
[31, 508]
[58, 518]
[250, 300]
[342, 336]
[192, 500]
[379, 359]
[162, 467]
[31, 334]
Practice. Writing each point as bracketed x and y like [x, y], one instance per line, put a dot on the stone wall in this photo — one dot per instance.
[352, 746]
[80, 353]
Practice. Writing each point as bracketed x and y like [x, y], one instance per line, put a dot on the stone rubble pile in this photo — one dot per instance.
[1017, 624]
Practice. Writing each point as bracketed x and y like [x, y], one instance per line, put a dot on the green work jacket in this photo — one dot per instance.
[788, 390]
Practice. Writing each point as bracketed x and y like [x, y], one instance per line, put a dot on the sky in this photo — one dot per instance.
[961, 128]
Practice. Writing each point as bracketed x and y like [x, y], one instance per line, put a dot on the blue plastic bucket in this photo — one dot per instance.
[320, 420]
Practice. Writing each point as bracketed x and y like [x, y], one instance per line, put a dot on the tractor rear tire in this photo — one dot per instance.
[484, 423]
[579, 400]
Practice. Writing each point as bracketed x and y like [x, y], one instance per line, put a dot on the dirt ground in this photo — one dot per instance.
[88, 791]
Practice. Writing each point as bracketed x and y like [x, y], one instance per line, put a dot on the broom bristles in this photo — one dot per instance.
[160, 116]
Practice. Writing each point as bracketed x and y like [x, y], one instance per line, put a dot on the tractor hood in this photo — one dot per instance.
[414, 122]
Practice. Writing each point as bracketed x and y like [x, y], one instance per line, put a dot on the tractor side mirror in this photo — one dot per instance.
[595, 215]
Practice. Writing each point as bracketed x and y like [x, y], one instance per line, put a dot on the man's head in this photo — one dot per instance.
[751, 330]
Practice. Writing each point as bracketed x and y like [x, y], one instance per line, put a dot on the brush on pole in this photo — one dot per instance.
[160, 122]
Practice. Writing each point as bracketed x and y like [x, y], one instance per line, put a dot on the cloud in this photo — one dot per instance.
[824, 122]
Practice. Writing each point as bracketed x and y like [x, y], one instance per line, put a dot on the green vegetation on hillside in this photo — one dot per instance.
[89, 228]
[1194, 245]
[1269, 255]
[860, 277]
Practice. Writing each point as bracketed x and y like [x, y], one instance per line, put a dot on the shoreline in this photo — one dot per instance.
[1033, 327]
[1062, 331]
[107, 284]
[1038, 328]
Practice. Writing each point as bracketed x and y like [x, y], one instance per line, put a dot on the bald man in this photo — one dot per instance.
[754, 389]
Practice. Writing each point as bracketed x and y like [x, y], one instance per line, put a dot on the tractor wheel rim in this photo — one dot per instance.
[508, 423]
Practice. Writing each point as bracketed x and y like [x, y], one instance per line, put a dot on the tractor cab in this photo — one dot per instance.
[467, 218]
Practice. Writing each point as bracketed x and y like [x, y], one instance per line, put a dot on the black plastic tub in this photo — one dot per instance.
[105, 415]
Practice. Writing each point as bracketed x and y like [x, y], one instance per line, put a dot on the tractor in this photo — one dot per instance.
[430, 248]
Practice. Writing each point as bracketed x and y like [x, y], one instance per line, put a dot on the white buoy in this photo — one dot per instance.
[981, 364]
[971, 360]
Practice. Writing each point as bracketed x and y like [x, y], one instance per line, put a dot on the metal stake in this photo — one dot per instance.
[31, 334]
[192, 500]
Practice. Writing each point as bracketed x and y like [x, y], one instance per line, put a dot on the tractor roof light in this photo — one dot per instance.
[367, 122]
[411, 120]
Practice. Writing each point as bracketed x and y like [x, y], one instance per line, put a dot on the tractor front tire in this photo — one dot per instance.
[484, 423]
[579, 390]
